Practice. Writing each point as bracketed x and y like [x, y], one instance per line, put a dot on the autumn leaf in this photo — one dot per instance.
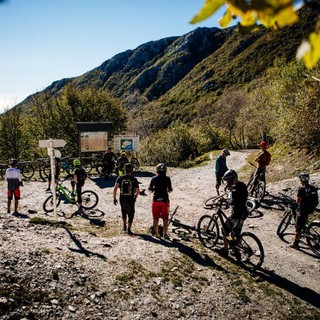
[209, 8]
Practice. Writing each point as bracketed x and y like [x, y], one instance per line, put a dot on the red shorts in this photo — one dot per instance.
[15, 192]
[160, 210]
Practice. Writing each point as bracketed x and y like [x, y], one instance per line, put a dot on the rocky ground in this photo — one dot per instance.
[86, 268]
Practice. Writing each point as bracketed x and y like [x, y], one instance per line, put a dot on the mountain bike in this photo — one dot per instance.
[246, 247]
[311, 231]
[26, 168]
[177, 224]
[213, 202]
[89, 198]
[258, 190]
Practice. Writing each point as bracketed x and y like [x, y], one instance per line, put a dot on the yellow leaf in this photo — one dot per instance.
[226, 19]
[208, 9]
[310, 51]
[285, 17]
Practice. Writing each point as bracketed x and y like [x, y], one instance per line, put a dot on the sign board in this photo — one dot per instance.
[56, 153]
[56, 143]
[93, 141]
[126, 143]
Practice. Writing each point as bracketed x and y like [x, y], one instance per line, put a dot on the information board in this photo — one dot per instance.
[93, 141]
[126, 143]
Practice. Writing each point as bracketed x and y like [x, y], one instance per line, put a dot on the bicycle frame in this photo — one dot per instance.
[63, 190]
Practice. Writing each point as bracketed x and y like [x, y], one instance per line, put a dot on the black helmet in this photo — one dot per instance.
[229, 175]
[304, 177]
[128, 167]
[13, 162]
[161, 168]
[226, 152]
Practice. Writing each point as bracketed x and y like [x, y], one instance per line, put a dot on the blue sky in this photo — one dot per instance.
[47, 40]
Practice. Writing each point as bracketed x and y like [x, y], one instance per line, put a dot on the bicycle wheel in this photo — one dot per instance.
[208, 231]
[27, 170]
[251, 205]
[286, 220]
[135, 163]
[89, 199]
[250, 251]
[260, 191]
[313, 236]
[48, 204]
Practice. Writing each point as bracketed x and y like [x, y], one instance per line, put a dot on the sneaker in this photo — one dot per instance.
[157, 235]
[48, 189]
[223, 252]
[130, 233]
[166, 237]
[8, 211]
[294, 245]
[124, 229]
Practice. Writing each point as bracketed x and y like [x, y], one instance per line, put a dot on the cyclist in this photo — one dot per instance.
[129, 191]
[14, 181]
[263, 161]
[160, 185]
[237, 199]
[121, 161]
[221, 167]
[79, 178]
[307, 199]
[108, 161]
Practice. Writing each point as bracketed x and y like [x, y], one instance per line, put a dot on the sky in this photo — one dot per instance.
[42, 41]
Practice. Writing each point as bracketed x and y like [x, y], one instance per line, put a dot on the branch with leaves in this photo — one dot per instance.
[273, 14]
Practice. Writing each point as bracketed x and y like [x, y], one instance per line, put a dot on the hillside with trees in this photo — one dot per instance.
[184, 96]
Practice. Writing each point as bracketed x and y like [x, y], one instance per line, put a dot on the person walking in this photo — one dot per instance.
[307, 199]
[160, 185]
[129, 191]
[221, 168]
[14, 181]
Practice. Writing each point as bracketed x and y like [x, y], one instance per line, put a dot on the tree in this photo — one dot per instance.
[270, 13]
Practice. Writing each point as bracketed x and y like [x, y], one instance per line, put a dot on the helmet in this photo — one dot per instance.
[161, 168]
[128, 167]
[109, 147]
[13, 162]
[76, 162]
[263, 144]
[123, 153]
[229, 175]
[304, 176]
[226, 152]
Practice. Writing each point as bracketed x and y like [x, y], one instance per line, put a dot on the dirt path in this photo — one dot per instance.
[141, 277]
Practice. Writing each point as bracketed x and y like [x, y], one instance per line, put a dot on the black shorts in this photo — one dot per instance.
[127, 208]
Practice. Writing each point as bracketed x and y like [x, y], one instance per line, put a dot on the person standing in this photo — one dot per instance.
[108, 161]
[221, 167]
[307, 199]
[263, 161]
[79, 178]
[129, 191]
[160, 185]
[121, 161]
[14, 181]
[237, 199]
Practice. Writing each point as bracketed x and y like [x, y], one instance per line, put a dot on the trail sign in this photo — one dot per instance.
[55, 143]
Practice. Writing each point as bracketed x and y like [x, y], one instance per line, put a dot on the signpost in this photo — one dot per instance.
[53, 153]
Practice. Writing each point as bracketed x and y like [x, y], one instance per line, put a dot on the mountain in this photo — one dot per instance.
[178, 71]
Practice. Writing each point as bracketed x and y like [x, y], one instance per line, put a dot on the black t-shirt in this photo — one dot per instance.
[161, 185]
[128, 185]
[108, 156]
[309, 198]
[239, 196]
[81, 175]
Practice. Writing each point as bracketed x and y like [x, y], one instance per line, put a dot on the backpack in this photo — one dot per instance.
[312, 197]
[126, 188]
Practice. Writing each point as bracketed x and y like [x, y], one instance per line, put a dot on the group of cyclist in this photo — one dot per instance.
[160, 185]
[307, 196]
